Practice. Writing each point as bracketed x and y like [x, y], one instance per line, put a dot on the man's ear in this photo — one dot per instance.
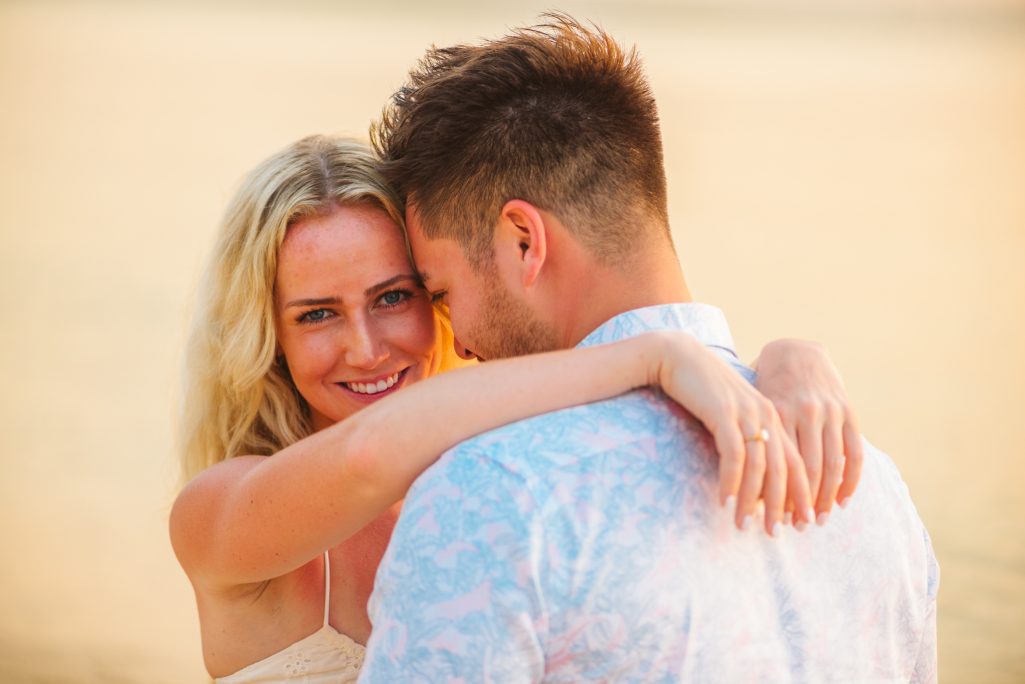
[521, 240]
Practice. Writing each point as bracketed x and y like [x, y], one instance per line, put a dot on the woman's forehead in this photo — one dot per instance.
[350, 248]
[345, 229]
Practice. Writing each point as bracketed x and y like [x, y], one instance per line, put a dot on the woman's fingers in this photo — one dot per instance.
[764, 468]
[758, 462]
[855, 457]
[832, 466]
[730, 445]
[753, 477]
[751, 440]
[790, 507]
[775, 489]
[809, 441]
[798, 494]
[807, 390]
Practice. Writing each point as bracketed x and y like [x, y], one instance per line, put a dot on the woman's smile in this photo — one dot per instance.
[375, 388]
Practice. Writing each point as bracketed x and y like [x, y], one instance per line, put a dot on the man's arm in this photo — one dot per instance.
[926, 668]
[457, 595]
[925, 665]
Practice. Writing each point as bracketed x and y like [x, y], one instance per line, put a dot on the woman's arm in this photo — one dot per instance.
[809, 395]
[252, 518]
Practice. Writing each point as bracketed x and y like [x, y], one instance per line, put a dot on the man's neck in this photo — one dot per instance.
[598, 293]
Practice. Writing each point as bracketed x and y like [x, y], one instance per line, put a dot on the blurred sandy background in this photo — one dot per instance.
[852, 172]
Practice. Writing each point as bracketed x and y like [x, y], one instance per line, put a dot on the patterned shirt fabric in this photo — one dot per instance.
[588, 545]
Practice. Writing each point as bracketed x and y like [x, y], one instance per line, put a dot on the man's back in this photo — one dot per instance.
[587, 545]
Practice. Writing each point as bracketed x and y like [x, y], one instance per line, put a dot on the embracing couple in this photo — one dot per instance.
[613, 496]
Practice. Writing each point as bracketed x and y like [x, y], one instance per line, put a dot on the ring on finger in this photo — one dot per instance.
[759, 436]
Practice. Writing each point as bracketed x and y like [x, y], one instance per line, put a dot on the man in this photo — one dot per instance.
[586, 545]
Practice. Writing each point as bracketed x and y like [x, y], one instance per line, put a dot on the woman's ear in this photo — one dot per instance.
[521, 241]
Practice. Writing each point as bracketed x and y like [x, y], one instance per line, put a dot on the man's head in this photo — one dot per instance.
[488, 321]
[556, 119]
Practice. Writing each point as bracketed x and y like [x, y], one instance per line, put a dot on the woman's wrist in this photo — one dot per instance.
[660, 353]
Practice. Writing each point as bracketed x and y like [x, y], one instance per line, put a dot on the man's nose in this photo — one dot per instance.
[364, 347]
[461, 350]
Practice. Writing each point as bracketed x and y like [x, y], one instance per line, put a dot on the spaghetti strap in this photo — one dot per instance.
[326, 657]
[327, 586]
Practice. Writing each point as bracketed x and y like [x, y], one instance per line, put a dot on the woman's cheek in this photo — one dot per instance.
[428, 330]
[416, 333]
[313, 356]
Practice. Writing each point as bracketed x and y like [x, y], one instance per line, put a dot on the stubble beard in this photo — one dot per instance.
[508, 327]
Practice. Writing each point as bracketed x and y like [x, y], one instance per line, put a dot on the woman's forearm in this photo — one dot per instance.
[319, 491]
[420, 423]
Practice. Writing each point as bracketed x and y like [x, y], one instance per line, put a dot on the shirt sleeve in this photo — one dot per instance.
[925, 665]
[457, 596]
[926, 668]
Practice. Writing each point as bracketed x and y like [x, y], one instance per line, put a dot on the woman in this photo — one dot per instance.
[300, 446]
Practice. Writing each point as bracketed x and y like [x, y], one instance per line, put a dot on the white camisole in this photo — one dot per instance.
[325, 656]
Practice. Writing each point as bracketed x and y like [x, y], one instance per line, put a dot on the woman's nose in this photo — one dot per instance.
[364, 347]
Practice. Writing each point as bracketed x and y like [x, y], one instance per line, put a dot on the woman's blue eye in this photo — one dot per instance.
[314, 316]
[394, 297]
[438, 297]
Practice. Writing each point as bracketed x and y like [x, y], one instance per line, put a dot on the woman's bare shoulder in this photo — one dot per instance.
[194, 520]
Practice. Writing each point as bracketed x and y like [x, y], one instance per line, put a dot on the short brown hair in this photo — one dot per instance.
[557, 115]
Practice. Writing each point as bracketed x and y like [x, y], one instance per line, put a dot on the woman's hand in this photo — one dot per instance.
[756, 457]
[809, 396]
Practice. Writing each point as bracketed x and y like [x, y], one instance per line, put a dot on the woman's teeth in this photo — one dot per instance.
[373, 387]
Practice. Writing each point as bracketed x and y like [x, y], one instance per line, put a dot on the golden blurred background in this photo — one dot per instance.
[851, 172]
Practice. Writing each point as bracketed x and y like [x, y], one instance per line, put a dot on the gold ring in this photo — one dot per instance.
[760, 436]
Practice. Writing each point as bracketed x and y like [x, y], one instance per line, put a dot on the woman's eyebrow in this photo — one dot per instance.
[391, 281]
[317, 301]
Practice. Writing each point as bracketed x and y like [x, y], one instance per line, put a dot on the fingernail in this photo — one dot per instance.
[809, 514]
[788, 518]
[775, 529]
[746, 523]
[843, 502]
[821, 520]
[731, 503]
[800, 525]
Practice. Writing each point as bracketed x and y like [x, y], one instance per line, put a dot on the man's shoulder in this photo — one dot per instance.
[532, 453]
[882, 484]
[643, 414]
[883, 518]
[882, 481]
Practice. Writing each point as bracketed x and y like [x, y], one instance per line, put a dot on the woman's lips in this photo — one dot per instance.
[372, 390]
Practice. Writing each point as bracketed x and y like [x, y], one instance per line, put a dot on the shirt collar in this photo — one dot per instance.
[705, 322]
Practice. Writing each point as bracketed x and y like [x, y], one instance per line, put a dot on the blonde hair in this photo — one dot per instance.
[238, 398]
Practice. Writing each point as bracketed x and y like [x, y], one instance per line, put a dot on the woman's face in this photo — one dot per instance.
[352, 320]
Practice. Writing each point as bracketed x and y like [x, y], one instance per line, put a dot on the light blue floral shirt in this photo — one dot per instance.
[588, 545]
